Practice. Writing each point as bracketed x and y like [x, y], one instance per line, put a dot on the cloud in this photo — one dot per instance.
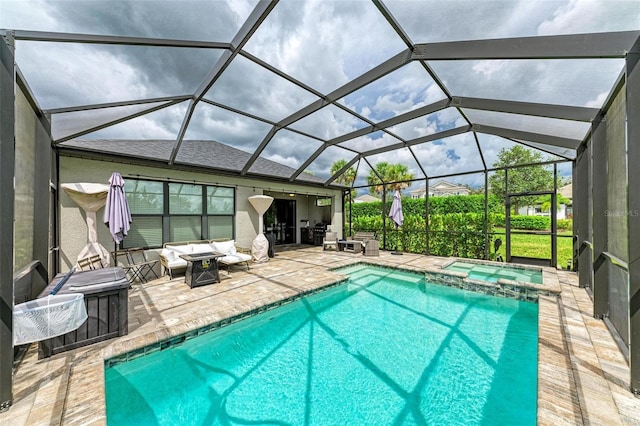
[321, 166]
[162, 124]
[255, 90]
[292, 146]
[487, 68]
[583, 16]
[434, 21]
[371, 141]
[212, 123]
[117, 73]
[324, 44]
[329, 122]
[560, 81]
[403, 90]
[78, 74]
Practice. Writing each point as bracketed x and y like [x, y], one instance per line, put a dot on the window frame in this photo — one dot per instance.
[166, 215]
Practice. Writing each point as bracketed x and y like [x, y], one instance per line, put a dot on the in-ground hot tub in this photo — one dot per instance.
[494, 271]
[106, 297]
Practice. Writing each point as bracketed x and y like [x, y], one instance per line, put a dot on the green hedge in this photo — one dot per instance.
[534, 223]
[437, 205]
[566, 224]
[459, 234]
[454, 234]
[456, 225]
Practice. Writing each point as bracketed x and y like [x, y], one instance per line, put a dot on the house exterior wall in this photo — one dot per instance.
[73, 228]
[441, 189]
[561, 213]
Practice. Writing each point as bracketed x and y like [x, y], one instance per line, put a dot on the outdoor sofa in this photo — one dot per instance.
[368, 244]
[172, 262]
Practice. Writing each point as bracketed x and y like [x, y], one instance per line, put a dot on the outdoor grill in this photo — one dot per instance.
[319, 231]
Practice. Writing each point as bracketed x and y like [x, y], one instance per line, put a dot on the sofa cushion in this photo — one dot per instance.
[168, 254]
[225, 247]
[177, 263]
[200, 248]
[185, 249]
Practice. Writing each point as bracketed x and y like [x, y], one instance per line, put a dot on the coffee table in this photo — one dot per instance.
[202, 268]
[352, 245]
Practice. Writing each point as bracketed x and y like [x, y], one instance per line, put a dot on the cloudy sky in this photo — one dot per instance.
[322, 45]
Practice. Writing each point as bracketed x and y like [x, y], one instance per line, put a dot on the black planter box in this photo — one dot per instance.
[106, 297]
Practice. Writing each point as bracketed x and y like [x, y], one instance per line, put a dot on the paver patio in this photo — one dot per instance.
[583, 377]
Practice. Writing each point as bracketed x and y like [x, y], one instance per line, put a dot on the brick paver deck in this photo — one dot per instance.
[582, 376]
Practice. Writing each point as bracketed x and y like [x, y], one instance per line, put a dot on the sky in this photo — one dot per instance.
[322, 45]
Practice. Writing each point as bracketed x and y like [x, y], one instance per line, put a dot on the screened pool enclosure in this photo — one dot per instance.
[318, 95]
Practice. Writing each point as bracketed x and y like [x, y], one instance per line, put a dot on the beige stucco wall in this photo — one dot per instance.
[73, 228]
[26, 125]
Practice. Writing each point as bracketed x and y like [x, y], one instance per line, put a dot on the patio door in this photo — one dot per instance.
[530, 246]
[280, 220]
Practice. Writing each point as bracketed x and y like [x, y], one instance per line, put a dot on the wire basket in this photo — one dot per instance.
[47, 317]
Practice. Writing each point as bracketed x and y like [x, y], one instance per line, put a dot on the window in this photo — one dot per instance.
[146, 203]
[220, 207]
[185, 212]
[171, 211]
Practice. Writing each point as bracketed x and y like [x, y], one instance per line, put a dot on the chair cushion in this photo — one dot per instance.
[177, 263]
[168, 254]
[225, 247]
[235, 258]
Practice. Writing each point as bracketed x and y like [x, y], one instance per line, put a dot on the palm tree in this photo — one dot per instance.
[395, 176]
[347, 178]
[545, 202]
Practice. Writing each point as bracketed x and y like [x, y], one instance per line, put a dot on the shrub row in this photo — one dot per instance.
[535, 223]
[454, 234]
[437, 205]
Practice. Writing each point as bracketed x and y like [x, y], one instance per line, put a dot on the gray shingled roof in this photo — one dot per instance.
[199, 153]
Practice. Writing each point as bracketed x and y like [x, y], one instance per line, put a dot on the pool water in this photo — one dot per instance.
[385, 348]
[491, 273]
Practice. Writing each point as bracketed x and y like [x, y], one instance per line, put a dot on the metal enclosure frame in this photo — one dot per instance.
[590, 154]
[7, 164]
[632, 73]
[582, 216]
[554, 226]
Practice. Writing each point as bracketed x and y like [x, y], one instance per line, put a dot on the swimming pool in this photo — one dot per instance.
[491, 272]
[385, 348]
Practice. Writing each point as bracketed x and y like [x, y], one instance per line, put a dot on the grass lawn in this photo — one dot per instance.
[538, 246]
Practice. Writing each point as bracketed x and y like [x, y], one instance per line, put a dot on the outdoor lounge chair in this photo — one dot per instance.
[233, 254]
[330, 240]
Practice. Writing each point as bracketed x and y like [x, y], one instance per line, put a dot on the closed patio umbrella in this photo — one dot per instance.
[91, 197]
[116, 212]
[395, 213]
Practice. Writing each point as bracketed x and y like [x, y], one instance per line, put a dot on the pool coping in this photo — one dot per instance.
[582, 375]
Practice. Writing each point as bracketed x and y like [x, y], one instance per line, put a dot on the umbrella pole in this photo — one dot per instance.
[396, 252]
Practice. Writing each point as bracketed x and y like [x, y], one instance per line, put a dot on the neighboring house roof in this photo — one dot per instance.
[566, 191]
[441, 187]
[366, 198]
[200, 153]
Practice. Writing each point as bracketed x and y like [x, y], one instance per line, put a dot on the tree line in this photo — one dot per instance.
[534, 178]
